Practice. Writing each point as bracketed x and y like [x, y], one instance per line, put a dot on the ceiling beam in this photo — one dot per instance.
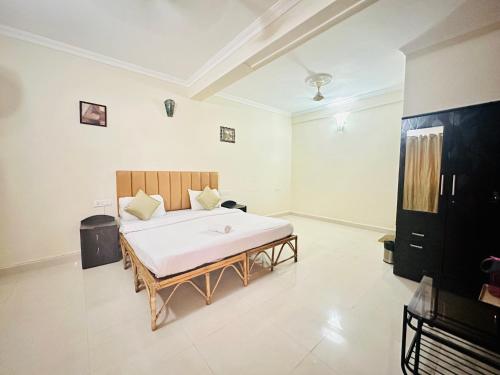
[293, 23]
[471, 19]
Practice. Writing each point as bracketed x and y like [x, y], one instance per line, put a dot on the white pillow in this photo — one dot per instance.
[124, 202]
[195, 205]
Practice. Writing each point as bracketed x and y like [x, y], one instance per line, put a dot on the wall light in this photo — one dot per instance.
[169, 107]
[341, 119]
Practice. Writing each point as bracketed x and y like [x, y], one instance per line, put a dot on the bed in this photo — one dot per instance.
[168, 251]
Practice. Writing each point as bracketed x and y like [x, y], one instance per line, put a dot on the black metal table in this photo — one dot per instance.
[449, 334]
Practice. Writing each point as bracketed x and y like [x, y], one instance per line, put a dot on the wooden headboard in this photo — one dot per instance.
[172, 186]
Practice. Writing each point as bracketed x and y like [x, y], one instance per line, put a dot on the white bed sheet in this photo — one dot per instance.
[181, 240]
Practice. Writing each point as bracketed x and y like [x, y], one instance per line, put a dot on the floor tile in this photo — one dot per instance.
[311, 365]
[336, 311]
[133, 339]
[354, 350]
[156, 360]
[251, 346]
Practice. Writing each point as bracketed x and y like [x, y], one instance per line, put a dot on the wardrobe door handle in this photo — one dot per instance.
[442, 184]
[418, 234]
[453, 186]
[416, 246]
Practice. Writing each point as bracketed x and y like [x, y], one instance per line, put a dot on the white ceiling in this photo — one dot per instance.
[175, 39]
[172, 37]
[361, 52]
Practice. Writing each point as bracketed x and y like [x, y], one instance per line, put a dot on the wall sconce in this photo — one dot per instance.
[341, 119]
[169, 107]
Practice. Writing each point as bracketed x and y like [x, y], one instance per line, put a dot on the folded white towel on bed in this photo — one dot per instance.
[221, 228]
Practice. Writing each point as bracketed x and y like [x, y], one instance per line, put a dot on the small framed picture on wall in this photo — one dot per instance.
[93, 114]
[227, 135]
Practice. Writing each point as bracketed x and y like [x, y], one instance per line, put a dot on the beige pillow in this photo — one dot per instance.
[142, 206]
[208, 198]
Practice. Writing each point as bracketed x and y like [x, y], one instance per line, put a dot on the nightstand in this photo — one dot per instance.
[233, 204]
[240, 207]
[99, 241]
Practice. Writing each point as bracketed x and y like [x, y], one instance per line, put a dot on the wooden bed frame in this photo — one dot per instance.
[172, 186]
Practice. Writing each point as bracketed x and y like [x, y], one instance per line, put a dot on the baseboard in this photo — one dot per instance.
[40, 263]
[345, 222]
[281, 213]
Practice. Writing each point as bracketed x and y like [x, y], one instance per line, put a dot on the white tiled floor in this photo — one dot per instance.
[337, 311]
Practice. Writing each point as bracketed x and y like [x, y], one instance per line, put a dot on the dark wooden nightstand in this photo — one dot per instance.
[233, 204]
[99, 241]
[240, 207]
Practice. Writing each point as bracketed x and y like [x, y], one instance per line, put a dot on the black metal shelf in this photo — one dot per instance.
[434, 351]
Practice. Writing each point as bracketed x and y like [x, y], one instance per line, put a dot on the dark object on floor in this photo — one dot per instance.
[389, 252]
[233, 204]
[99, 241]
[452, 334]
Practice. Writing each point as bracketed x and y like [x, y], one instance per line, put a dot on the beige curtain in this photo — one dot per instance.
[422, 172]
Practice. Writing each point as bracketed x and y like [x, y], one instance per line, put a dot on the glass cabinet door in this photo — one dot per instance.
[422, 178]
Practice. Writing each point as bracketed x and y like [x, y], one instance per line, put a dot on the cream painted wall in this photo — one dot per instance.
[52, 168]
[350, 176]
[453, 76]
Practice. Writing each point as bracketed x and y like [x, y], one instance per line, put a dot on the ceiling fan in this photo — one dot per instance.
[319, 80]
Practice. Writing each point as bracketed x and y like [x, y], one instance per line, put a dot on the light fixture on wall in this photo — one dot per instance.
[169, 107]
[341, 119]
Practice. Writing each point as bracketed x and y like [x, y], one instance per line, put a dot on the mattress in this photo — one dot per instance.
[183, 240]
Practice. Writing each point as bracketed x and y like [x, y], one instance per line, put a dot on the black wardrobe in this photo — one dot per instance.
[448, 217]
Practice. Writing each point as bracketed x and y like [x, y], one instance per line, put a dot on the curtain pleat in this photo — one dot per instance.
[422, 172]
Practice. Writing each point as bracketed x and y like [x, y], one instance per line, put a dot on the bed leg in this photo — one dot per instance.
[208, 291]
[272, 260]
[152, 305]
[136, 278]
[296, 251]
[124, 255]
[245, 269]
[246, 265]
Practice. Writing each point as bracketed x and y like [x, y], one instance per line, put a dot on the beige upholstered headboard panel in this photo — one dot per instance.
[172, 186]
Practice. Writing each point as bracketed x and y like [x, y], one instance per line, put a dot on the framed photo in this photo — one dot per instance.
[227, 134]
[93, 114]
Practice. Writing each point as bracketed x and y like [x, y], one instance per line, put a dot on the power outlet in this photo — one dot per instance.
[102, 203]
